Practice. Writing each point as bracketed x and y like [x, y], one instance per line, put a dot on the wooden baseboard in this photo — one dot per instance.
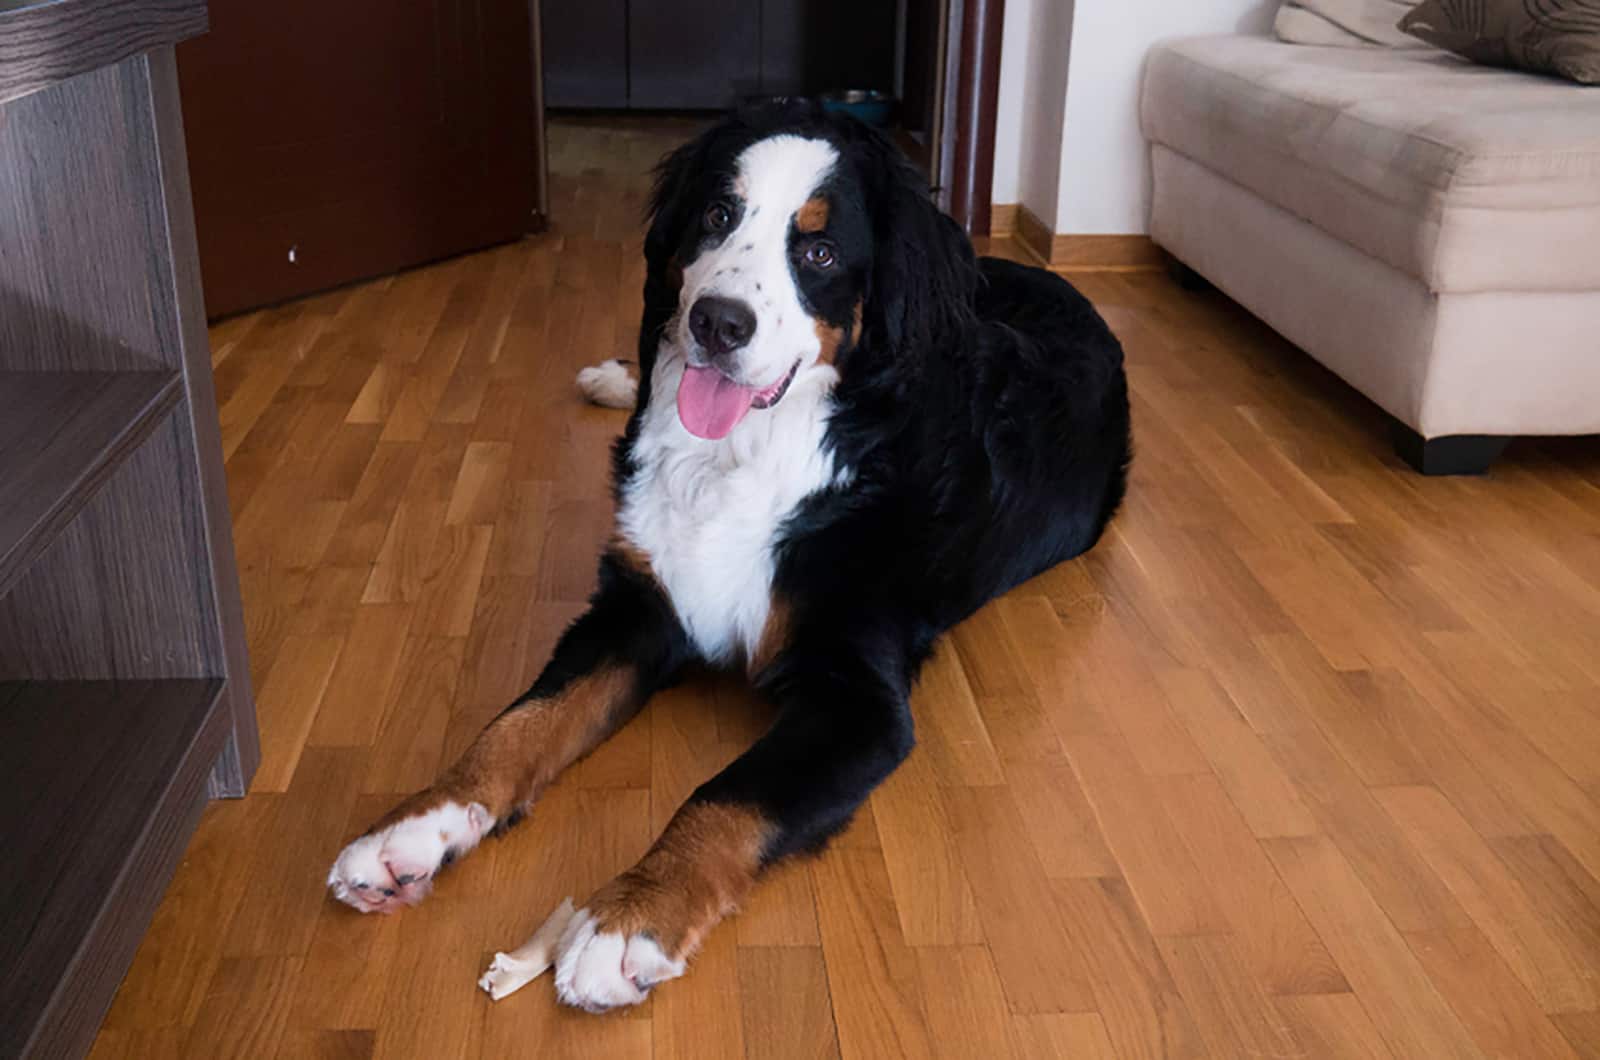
[1034, 234]
[1104, 252]
[1003, 219]
[1081, 252]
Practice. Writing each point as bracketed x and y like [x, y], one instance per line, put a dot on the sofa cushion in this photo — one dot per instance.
[1468, 178]
[1553, 37]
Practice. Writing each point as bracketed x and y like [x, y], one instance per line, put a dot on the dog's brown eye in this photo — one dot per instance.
[718, 217]
[820, 255]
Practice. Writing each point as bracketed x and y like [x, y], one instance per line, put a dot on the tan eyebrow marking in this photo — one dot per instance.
[813, 215]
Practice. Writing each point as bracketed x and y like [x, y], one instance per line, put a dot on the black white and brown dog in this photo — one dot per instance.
[849, 433]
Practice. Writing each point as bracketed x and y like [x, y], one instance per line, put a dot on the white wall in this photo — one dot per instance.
[1034, 48]
[1100, 177]
[1008, 110]
[1044, 103]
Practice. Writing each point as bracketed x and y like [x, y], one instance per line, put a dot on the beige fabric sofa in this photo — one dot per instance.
[1428, 229]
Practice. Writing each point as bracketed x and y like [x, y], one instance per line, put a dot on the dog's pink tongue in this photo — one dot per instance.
[710, 404]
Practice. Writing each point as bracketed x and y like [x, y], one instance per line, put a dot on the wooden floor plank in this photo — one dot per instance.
[1171, 887]
[1491, 897]
[246, 1008]
[1038, 959]
[783, 910]
[357, 698]
[1274, 939]
[1063, 1036]
[1495, 1006]
[1582, 1030]
[287, 705]
[166, 987]
[921, 852]
[1269, 801]
[1234, 1015]
[277, 911]
[872, 974]
[1566, 897]
[785, 1008]
[1413, 1019]
[1135, 995]
[692, 1018]
[1334, 1026]
[966, 1004]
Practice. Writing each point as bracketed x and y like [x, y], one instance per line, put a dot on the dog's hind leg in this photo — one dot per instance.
[844, 726]
[603, 669]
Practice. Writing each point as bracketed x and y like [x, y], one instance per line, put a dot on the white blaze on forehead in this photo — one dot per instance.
[782, 172]
[773, 179]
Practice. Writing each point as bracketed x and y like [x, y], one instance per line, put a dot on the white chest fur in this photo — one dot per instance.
[707, 513]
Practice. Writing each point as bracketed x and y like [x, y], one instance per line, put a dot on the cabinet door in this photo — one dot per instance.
[586, 53]
[693, 54]
[329, 142]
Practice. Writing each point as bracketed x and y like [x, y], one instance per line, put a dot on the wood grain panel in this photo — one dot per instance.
[115, 549]
[62, 434]
[183, 325]
[141, 751]
[122, 556]
[44, 42]
[79, 161]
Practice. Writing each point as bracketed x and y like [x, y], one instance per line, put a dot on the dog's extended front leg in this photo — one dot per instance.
[844, 726]
[603, 669]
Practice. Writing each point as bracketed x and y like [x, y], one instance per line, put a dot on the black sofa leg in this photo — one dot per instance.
[1187, 278]
[1456, 454]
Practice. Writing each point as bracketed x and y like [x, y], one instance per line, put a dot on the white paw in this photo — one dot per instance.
[596, 971]
[510, 972]
[385, 870]
[610, 384]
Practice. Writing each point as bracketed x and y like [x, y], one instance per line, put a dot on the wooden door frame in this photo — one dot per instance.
[970, 100]
[541, 145]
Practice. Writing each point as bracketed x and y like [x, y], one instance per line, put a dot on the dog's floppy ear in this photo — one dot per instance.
[669, 209]
[924, 273]
[669, 201]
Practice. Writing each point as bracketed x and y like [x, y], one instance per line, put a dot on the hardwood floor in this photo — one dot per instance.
[1303, 760]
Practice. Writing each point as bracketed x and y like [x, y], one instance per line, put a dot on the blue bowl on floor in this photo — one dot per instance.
[870, 105]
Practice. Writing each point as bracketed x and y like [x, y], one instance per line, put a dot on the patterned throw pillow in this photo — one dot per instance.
[1546, 36]
[1345, 23]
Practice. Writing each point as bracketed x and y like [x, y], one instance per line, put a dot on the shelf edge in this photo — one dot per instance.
[16, 563]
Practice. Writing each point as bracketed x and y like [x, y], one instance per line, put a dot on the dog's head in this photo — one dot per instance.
[788, 238]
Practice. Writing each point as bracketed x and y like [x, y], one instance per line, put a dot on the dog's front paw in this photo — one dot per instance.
[394, 866]
[599, 969]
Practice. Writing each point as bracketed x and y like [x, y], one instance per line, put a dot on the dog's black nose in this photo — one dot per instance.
[721, 325]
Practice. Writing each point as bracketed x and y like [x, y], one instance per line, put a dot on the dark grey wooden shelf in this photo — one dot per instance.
[102, 779]
[61, 435]
[45, 41]
[125, 698]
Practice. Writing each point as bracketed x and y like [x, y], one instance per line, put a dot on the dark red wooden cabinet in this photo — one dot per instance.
[329, 142]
